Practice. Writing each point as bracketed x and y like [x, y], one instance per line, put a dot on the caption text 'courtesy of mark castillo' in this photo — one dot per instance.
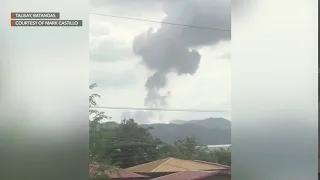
[45, 19]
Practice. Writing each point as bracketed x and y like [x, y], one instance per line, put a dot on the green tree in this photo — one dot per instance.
[96, 142]
[95, 131]
[167, 150]
[132, 145]
[188, 148]
[128, 144]
[222, 155]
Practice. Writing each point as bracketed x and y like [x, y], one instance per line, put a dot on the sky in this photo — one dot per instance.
[155, 65]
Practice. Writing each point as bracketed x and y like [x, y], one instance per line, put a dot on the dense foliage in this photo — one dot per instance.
[97, 166]
[128, 144]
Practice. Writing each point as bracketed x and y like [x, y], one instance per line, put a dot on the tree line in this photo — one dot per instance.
[129, 144]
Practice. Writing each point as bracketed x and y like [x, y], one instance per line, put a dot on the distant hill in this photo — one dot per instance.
[210, 131]
[216, 123]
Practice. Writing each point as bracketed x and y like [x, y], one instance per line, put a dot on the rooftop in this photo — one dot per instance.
[175, 165]
[116, 173]
[192, 175]
[120, 173]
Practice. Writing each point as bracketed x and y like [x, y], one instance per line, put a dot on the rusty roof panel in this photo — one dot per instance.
[175, 165]
[120, 173]
[190, 175]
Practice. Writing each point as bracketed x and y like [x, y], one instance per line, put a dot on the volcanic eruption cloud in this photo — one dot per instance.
[172, 49]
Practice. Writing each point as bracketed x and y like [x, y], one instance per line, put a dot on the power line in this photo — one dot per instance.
[158, 109]
[169, 23]
[131, 139]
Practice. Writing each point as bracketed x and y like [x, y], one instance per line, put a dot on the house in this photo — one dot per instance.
[167, 166]
[116, 174]
[197, 175]
[120, 174]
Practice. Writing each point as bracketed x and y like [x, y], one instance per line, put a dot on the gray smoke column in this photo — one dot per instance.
[172, 49]
[141, 117]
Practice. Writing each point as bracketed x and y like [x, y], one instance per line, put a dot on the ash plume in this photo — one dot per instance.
[141, 117]
[172, 49]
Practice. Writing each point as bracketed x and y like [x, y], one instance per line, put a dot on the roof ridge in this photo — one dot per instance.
[212, 163]
[145, 163]
[169, 159]
[198, 175]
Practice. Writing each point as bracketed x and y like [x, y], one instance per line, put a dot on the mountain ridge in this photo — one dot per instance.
[221, 123]
[209, 131]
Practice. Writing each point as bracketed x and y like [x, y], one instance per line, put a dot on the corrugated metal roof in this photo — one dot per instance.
[175, 165]
[116, 173]
[120, 173]
[216, 164]
[189, 175]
